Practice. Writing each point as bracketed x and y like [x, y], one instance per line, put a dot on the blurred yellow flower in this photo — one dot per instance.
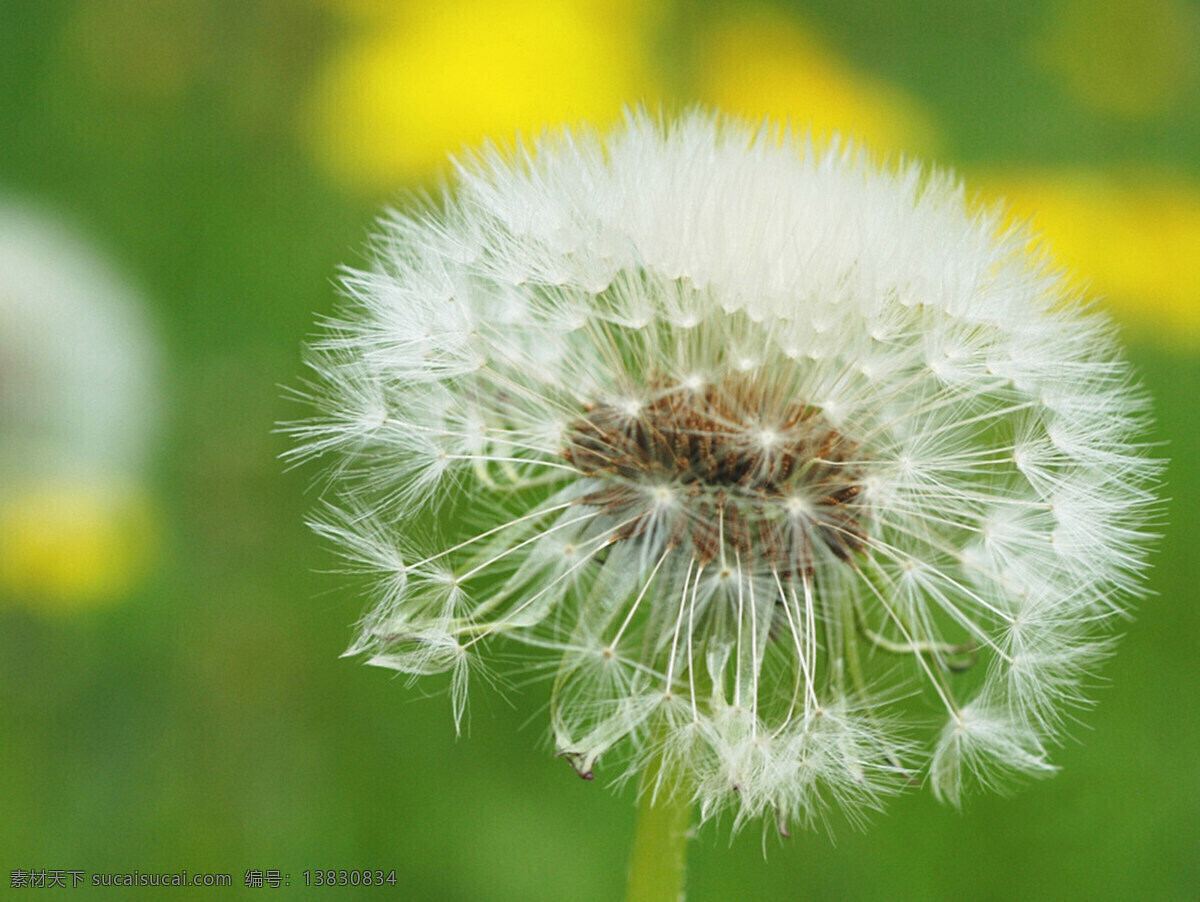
[1132, 238]
[71, 543]
[760, 62]
[1126, 58]
[434, 78]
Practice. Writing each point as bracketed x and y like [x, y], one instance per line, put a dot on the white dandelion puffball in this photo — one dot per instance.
[77, 358]
[80, 414]
[795, 473]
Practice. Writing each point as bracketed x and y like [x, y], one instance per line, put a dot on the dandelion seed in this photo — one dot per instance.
[759, 441]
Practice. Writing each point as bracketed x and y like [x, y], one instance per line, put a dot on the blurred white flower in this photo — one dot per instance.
[78, 408]
[804, 475]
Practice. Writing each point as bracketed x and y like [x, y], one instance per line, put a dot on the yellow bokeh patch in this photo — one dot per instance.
[1131, 238]
[391, 104]
[73, 543]
[1128, 59]
[758, 62]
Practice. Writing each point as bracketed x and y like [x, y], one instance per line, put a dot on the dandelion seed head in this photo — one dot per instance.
[754, 441]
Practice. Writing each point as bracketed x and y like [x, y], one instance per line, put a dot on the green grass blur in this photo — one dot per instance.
[207, 723]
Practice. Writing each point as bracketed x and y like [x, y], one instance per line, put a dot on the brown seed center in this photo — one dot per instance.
[768, 480]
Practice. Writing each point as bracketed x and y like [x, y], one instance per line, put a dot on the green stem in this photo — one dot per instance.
[658, 866]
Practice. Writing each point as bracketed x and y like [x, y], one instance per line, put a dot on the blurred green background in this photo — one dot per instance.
[170, 689]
